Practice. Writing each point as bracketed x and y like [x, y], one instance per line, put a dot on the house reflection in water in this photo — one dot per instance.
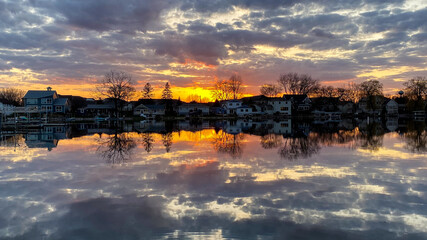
[283, 126]
[47, 137]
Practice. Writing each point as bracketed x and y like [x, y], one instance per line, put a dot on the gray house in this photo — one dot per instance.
[46, 101]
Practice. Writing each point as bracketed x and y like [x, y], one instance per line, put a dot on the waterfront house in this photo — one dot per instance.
[193, 109]
[149, 111]
[98, 108]
[46, 101]
[231, 106]
[391, 107]
[243, 110]
[346, 107]
[280, 105]
[372, 105]
[300, 102]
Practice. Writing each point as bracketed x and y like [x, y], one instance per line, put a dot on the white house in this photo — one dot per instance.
[230, 106]
[280, 105]
[243, 110]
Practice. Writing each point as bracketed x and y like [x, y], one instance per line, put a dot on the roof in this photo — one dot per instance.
[244, 106]
[296, 97]
[39, 94]
[100, 106]
[194, 105]
[275, 99]
[60, 101]
[151, 106]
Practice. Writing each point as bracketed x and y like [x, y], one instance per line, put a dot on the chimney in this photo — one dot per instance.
[49, 89]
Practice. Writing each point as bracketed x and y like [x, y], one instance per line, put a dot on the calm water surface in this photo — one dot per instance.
[275, 180]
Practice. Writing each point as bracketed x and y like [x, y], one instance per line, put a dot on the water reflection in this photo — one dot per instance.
[147, 141]
[416, 137]
[229, 143]
[167, 139]
[116, 148]
[295, 148]
[217, 180]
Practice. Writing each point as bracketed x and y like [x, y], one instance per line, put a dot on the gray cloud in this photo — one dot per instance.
[108, 15]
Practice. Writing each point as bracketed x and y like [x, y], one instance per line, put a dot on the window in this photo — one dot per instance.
[31, 101]
[46, 100]
[58, 108]
[247, 110]
[284, 109]
[49, 108]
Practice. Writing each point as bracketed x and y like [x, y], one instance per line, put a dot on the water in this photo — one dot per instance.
[223, 180]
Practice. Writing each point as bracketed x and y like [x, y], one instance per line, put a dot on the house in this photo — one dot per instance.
[300, 102]
[191, 109]
[346, 107]
[372, 105]
[217, 110]
[243, 110]
[149, 110]
[46, 101]
[230, 106]
[280, 105]
[97, 109]
[391, 107]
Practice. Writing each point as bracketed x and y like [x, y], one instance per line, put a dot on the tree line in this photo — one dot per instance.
[119, 86]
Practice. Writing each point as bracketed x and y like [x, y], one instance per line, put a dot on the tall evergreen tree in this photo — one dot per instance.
[167, 92]
[147, 91]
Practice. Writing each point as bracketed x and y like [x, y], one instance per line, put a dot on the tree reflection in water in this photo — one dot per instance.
[167, 139]
[416, 137]
[296, 148]
[117, 148]
[371, 136]
[270, 141]
[229, 143]
[147, 142]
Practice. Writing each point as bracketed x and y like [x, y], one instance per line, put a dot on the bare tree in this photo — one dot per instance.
[371, 90]
[416, 88]
[293, 83]
[270, 90]
[167, 92]
[117, 86]
[12, 96]
[228, 89]
[235, 86]
[196, 98]
[220, 91]
[147, 91]
[351, 93]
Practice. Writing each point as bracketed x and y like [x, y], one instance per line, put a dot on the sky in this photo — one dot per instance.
[70, 44]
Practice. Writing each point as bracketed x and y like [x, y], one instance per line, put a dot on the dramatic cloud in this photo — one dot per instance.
[195, 42]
